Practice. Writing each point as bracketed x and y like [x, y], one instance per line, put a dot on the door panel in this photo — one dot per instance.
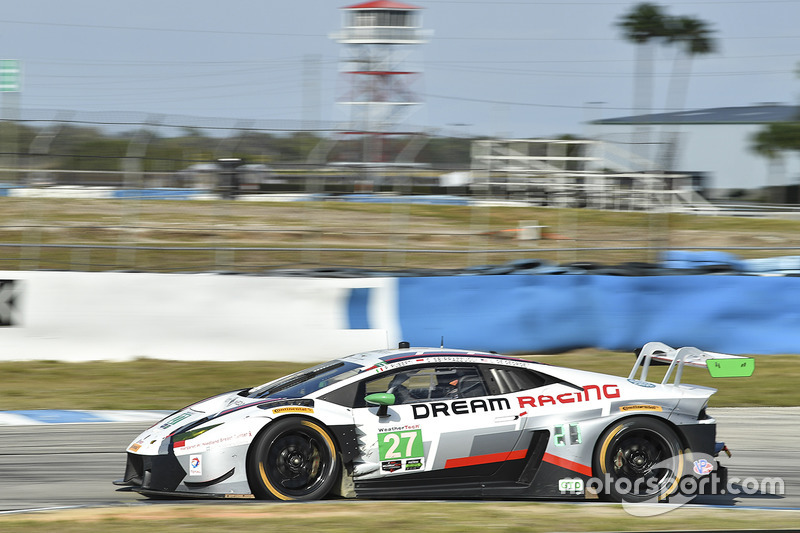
[445, 426]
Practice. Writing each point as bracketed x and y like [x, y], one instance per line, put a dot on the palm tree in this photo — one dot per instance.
[644, 24]
[773, 142]
[692, 37]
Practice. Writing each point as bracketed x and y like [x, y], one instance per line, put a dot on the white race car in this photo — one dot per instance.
[440, 423]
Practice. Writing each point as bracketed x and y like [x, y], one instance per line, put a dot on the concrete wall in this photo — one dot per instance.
[116, 316]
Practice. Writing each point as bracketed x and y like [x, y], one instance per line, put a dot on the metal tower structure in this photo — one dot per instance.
[378, 39]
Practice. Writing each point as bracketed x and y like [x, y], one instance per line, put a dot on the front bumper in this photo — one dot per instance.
[161, 473]
[701, 440]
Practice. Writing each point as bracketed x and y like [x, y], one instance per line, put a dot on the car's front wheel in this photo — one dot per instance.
[292, 459]
[638, 459]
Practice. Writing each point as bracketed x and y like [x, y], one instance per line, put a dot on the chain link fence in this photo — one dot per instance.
[129, 192]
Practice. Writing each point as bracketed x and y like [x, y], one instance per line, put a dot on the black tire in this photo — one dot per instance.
[293, 459]
[639, 459]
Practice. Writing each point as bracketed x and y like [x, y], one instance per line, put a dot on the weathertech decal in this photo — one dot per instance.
[460, 407]
[599, 391]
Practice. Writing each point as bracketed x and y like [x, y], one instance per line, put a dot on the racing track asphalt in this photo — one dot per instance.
[72, 465]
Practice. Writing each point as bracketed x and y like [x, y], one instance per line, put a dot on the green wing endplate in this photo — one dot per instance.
[731, 368]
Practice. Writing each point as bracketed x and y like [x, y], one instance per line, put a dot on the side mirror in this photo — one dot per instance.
[381, 399]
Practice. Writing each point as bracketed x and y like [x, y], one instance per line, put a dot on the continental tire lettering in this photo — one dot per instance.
[460, 407]
[590, 393]
[284, 410]
[642, 407]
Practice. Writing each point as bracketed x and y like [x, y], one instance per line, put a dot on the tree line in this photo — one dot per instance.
[646, 24]
[80, 147]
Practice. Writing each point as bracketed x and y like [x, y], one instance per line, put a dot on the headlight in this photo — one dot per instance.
[191, 434]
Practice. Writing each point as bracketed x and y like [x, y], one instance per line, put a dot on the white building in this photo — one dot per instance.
[716, 142]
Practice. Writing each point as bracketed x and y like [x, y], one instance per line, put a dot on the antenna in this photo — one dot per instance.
[442, 345]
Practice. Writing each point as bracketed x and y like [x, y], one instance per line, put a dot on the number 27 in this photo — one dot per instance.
[394, 439]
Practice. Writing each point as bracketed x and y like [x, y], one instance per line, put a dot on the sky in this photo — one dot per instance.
[516, 68]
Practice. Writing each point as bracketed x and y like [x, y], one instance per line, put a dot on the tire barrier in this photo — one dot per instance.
[672, 263]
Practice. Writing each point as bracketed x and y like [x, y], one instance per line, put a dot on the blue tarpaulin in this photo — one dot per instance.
[733, 314]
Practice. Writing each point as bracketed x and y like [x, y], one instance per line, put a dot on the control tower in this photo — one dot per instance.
[378, 40]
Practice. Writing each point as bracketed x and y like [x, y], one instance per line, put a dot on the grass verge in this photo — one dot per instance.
[443, 517]
[161, 235]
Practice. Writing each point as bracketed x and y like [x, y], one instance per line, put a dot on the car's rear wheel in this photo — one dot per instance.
[639, 459]
[292, 459]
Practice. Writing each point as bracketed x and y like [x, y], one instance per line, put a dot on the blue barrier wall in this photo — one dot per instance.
[517, 313]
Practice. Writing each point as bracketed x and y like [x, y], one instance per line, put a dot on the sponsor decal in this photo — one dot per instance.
[134, 447]
[391, 466]
[400, 445]
[589, 393]
[391, 365]
[413, 464]
[398, 428]
[283, 410]
[460, 407]
[175, 420]
[570, 486]
[378, 367]
[642, 407]
[562, 432]
[640, 383]
[181, 448]
[702, 467]
[195, 467]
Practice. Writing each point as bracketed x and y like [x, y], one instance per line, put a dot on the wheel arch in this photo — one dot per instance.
[314, 422]
[269, 424]
[607, 436]
[674, 427]
[344, 436]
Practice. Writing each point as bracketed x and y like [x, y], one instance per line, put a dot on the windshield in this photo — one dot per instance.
[306, 381]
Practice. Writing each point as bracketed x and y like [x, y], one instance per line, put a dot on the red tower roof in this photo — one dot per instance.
[382, 4]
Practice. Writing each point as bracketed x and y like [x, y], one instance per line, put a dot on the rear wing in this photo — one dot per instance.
[720, 365]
